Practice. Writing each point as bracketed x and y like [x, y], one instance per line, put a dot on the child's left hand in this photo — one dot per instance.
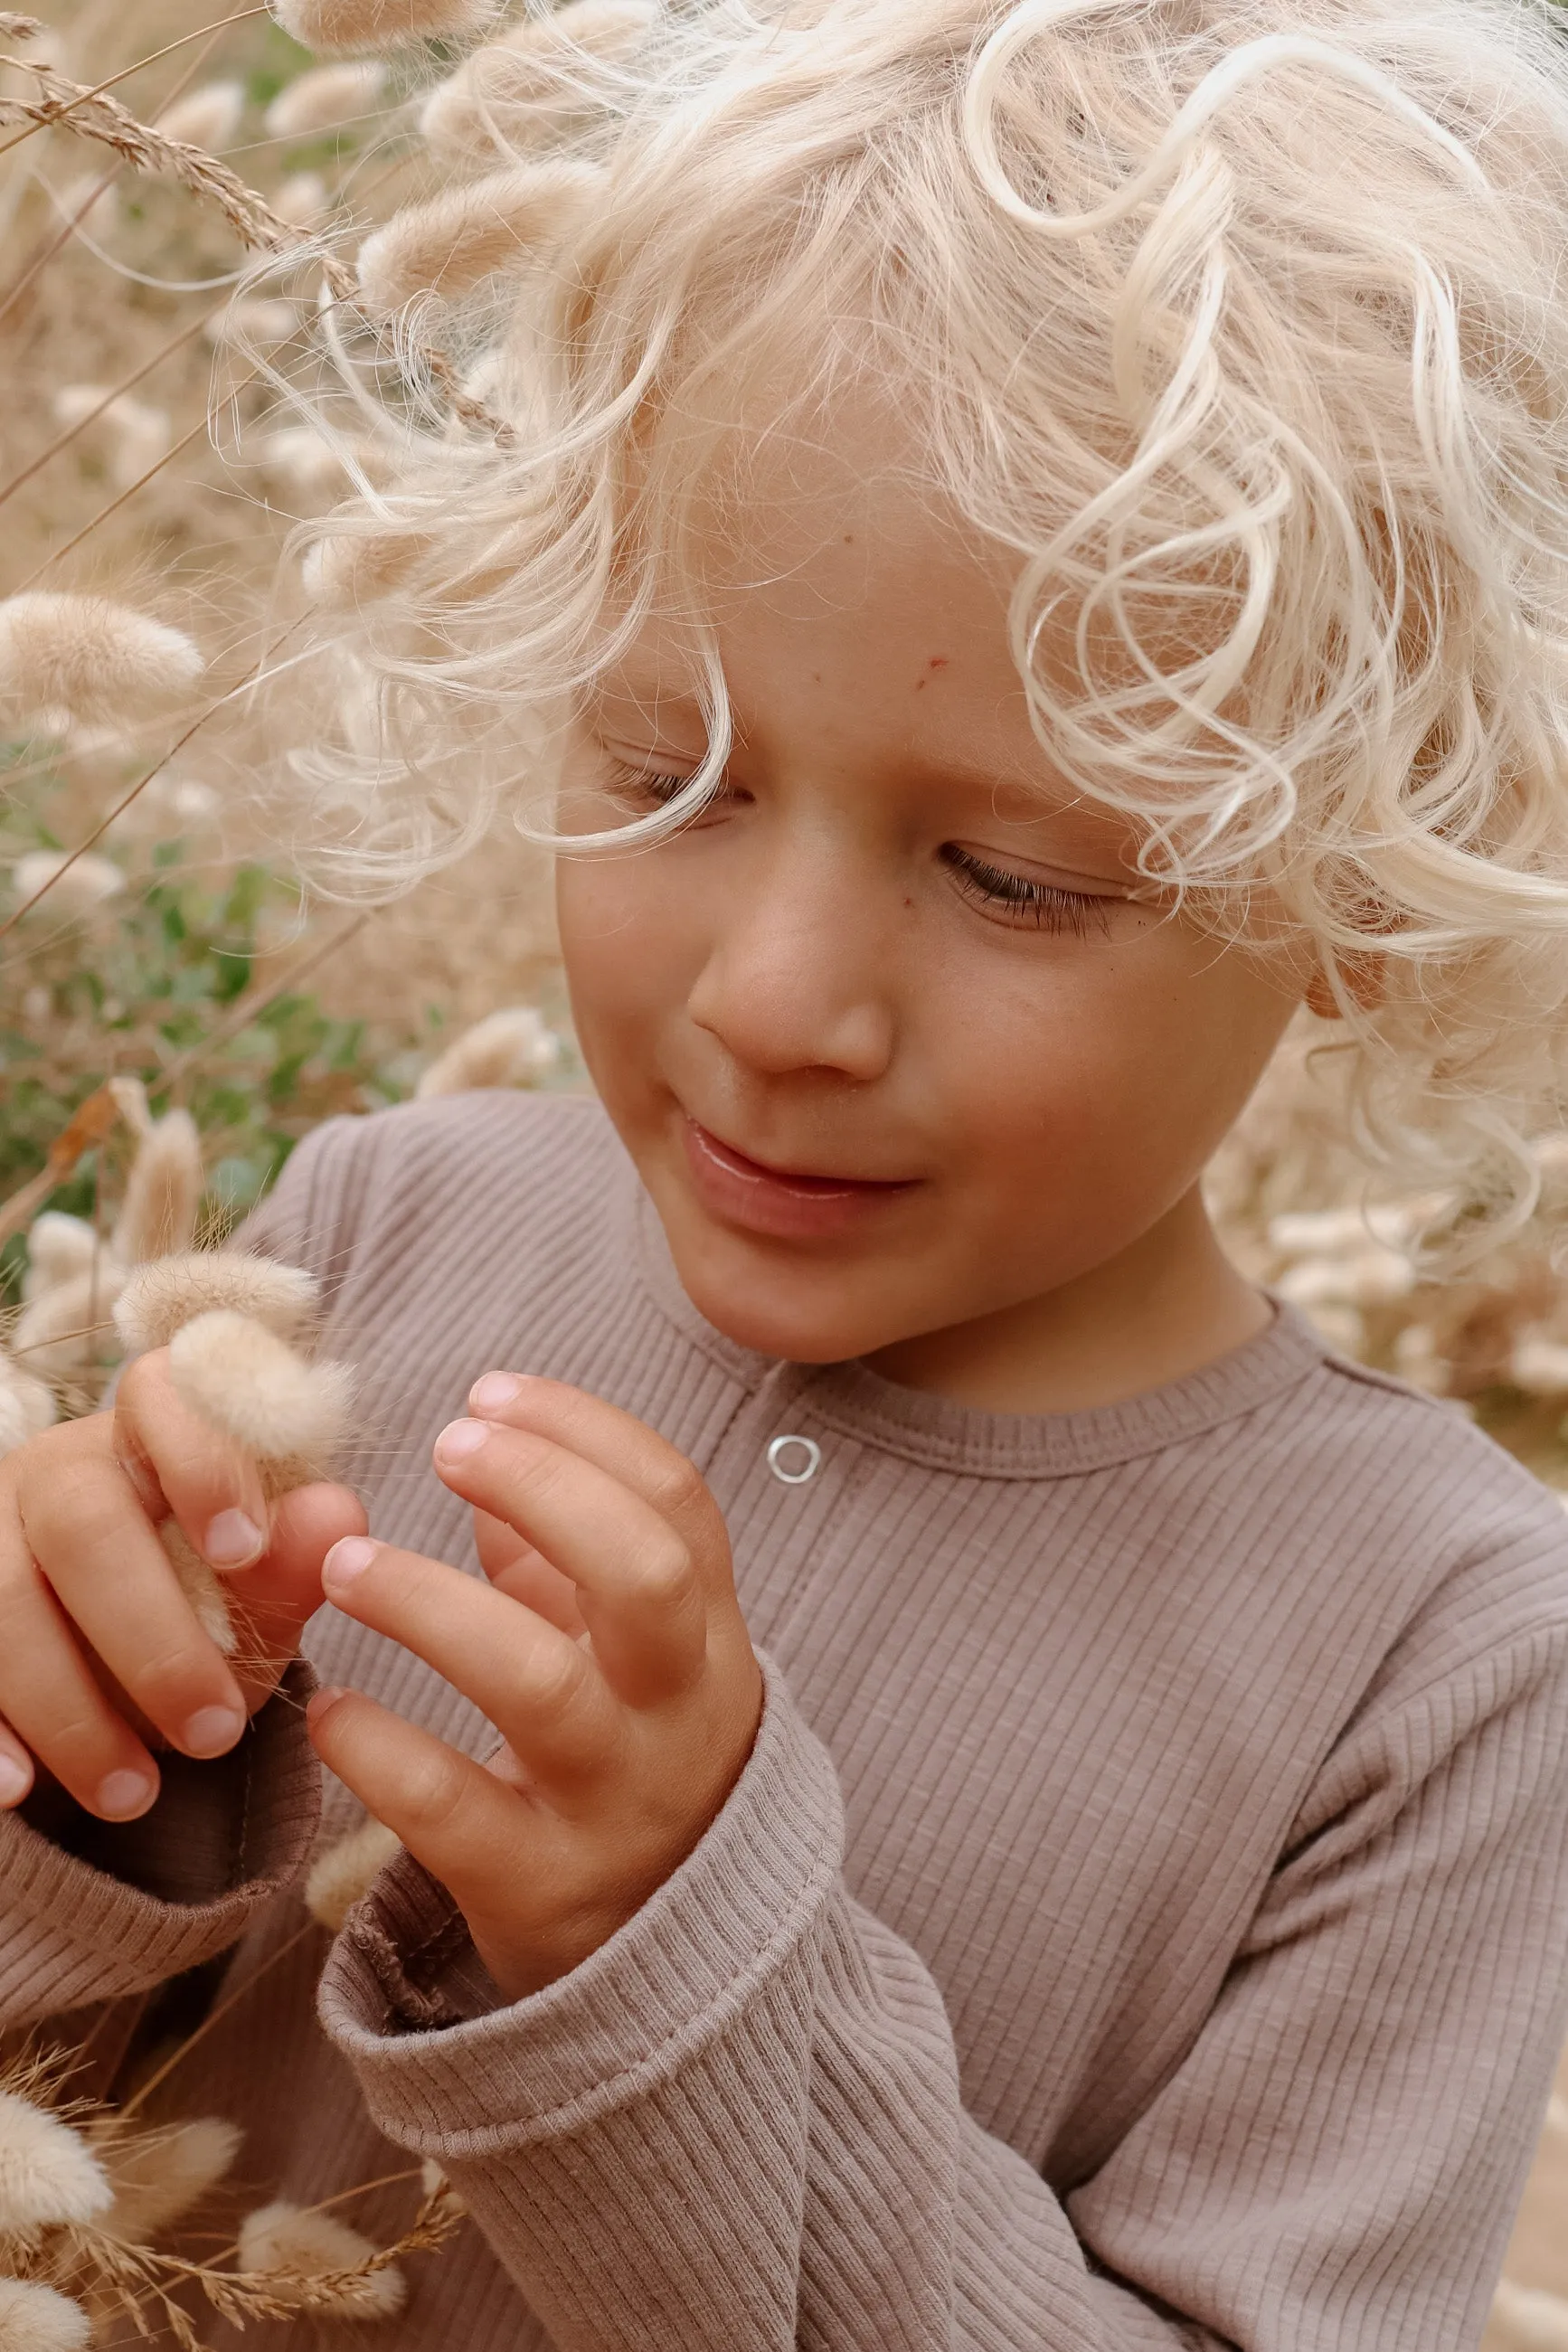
[606, 1646]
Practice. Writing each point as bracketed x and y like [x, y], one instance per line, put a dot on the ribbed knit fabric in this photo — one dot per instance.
[1141, 1922]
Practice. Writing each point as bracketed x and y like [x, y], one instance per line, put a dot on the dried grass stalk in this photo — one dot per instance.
[319, 2263]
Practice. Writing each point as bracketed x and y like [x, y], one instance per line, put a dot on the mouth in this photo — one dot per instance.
[794, 1204]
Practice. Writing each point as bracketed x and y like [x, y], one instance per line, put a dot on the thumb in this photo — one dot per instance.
[273, 1601]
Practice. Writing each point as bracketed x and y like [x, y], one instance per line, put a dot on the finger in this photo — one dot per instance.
[521, 1571]
[113, 1580]
[639, 1589]
[51, 1701]
[541, 1690]
[179, 1462]
[16, 1775]
[462, 1822]
[277, 1598]
[623, 1447]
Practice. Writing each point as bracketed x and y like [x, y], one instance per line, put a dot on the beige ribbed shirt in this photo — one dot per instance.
[1140, 1922]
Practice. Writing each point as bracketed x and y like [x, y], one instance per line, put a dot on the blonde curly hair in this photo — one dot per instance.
[1240, 320]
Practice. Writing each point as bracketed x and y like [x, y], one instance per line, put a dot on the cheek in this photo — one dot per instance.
[1116, 1085]
[630, 949]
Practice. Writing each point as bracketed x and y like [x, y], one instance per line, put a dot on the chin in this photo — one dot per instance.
[780, 1316]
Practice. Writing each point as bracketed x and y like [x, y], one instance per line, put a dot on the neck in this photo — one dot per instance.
[1167, 1305]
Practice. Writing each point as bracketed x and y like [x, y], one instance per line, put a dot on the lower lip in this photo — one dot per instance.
[789, 1208]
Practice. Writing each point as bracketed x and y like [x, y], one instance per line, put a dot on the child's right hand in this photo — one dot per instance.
[98, 1643]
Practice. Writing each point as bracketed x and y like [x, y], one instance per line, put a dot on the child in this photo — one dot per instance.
[1030, 1800]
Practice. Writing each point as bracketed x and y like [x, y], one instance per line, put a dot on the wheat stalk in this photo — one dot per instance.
[86, 111]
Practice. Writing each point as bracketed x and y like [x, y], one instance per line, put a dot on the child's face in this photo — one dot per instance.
[895, 1042]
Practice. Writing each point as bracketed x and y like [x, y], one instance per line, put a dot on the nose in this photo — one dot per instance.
[798, 976]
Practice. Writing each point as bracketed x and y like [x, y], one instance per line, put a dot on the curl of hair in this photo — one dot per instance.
[1238, 322]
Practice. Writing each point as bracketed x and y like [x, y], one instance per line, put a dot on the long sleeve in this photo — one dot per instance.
[738, 2127]
[91, 1911]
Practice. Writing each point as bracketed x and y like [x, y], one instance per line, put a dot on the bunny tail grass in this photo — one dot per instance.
[91, 656]
[201, 1587]
[252, 1384]
[340, 1874]
[500, 223]
[163, 1193]
[381, 24]
[300, 2247]
[158, 2176]
[48, 2175]
[37, 2318]
[159, 1298]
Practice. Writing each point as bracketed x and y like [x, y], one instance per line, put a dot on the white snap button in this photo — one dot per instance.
[803, 1453]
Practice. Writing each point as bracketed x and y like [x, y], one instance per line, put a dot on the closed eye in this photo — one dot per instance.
[1021, 899]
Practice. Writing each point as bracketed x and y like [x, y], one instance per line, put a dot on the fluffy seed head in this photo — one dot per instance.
[158, 2176]
[91, 656]
[1540, 1366]
[1528, 2319]
[531, 83]
[68, 1333]
[58, 1247]
[48, 2175]
[81, 885]
[208, 116]
[138, 436]
[512, 1048]
[325, 98]
[27, 1406]
[382, 24]
[350, 568]
[201, 1586]
[339, 1875]
[34, 2318]
[289, 2244]
[158, 1299]
[304, 197]
[247, 1381]
[163, 1193]
[499, 222]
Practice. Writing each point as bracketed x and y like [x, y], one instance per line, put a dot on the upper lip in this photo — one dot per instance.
[772, 1168]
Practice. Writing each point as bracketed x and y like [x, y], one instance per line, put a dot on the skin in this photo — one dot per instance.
[915, 1071]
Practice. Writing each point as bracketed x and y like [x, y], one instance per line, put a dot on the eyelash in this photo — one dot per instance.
[1038, 906]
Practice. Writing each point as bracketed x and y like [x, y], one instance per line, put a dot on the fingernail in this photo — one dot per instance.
[123, 1795]
[459, 1439]
[232, 1541]
[322, 1702]
[493, 1391]
[15, 1779]
[349, 1558]
[212, 1730]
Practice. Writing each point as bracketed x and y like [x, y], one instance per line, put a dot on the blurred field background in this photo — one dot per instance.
[145, 456]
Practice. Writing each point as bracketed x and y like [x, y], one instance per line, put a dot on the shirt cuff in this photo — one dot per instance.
[403, 1980]
[92, 1909]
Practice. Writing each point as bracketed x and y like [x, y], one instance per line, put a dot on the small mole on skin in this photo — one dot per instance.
[939, 661]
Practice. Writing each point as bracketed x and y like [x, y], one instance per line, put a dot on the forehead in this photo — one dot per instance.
[837, 589]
